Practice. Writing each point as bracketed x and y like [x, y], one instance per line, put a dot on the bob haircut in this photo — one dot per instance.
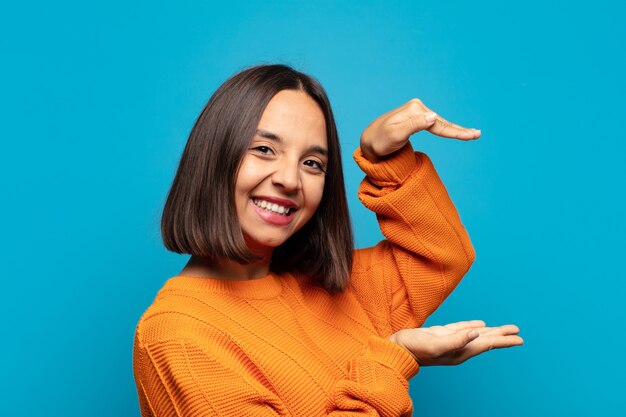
[199, 217]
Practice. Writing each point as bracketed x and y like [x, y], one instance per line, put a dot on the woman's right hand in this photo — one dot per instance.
[455, 343]
[389, 132]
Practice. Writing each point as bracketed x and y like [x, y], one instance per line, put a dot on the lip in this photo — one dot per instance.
[271, 217]
[277, 200]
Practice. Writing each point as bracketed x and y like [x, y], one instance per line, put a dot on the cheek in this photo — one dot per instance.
[315, 196]
[245, 177]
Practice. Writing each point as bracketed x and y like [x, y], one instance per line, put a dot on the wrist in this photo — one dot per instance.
[398, 340]
[368, 152]
[390, 170]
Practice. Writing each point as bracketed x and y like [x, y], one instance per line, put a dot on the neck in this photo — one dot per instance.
[226, 269]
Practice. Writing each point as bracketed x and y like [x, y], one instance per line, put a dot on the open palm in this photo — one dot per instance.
[455, 343]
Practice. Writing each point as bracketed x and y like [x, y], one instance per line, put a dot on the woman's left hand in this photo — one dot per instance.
[389, 132]
[455, 343]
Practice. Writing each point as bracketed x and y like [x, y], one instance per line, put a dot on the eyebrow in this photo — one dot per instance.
[273, 136]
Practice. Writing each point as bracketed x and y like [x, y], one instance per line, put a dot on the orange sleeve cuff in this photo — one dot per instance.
[394, 356]
[392, 170]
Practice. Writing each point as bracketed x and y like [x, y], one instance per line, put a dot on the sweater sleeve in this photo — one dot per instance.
[427, 251]
[181, 378]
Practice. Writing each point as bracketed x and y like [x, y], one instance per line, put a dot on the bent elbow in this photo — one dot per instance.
[470, 256]
[461, 261]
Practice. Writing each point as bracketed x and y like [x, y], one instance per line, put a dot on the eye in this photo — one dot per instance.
[264, 150]
[315, 164]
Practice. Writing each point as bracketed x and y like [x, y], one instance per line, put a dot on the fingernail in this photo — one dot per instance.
[430, 117]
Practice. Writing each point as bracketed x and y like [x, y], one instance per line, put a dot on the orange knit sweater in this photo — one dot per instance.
[278, 346]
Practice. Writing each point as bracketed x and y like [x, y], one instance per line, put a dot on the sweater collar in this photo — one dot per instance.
[268, 286]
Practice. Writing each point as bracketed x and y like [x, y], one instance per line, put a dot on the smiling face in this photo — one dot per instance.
[281, 178]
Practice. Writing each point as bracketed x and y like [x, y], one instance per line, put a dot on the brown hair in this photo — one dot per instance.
[197, 219]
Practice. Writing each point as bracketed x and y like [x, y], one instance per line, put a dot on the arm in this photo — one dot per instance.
[178, 378]
[182, 378]
[427, 250]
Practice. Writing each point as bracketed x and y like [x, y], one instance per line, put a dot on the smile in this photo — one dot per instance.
[273, 207]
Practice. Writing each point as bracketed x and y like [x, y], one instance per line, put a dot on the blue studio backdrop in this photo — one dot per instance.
[98, 99]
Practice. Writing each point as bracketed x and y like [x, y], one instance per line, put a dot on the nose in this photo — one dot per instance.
[287, 176]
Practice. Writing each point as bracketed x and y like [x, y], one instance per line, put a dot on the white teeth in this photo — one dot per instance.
[273, 207]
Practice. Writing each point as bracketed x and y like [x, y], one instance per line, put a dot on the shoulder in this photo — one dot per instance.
[180, 311]
[203, 309]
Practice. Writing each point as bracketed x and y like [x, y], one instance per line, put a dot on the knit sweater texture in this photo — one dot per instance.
[281, 346]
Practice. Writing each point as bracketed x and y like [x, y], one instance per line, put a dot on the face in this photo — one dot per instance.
[280, 182]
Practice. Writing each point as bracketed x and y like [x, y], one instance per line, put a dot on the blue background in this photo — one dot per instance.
[97, 101]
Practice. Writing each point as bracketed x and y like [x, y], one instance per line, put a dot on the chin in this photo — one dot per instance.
[263, 245]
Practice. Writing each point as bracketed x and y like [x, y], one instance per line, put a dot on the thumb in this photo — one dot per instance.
[430, 117]
[421, 122]
[414, 123]
[460, 339]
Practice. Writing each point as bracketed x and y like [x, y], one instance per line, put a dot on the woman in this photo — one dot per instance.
[275, 314]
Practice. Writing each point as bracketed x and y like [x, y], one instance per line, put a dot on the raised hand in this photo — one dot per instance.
[455, 343]
[392, 130]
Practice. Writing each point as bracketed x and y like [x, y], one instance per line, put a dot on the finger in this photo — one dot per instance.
[452, 342]
[458, 126]
[453, 126]
[462, 325]
[413, 106]
[486, 343]
[482, 345]
[411, 121]
[411, 117]
[442, 127]
[508, 329]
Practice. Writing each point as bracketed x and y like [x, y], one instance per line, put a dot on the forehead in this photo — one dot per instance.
[293, 114]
